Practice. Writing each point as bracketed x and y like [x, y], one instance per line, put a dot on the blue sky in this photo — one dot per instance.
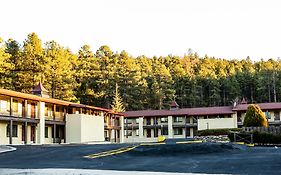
[220, 28]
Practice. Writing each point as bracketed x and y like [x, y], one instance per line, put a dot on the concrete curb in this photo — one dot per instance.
[52, 171]
[5, 148]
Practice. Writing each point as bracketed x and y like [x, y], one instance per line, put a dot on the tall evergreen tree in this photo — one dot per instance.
[117, 104]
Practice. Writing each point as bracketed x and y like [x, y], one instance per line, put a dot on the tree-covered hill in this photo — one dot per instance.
[144, 83]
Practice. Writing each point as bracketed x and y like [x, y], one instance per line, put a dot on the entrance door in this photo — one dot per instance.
[32, 134]
[148, 133]
[32, 110]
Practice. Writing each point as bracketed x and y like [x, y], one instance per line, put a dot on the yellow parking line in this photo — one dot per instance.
[114, 150]
[150, 144]
[189, 142]
[111, 152]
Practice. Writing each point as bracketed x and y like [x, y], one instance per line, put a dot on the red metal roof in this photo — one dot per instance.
[263, 106]
[185, 111]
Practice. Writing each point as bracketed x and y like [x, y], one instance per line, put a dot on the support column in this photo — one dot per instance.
[185, 118]
[25, 132]
[41, 133]
[54, 112]
[11, 132]
[55, 131]
[170, 127]
[122, 129]
[25, 108]
[234, 116]
[140, 127]
[11, 106]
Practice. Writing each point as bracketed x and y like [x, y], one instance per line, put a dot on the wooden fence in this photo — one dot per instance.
[270, 129]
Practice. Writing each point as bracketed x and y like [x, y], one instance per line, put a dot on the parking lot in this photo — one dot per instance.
[185, 158]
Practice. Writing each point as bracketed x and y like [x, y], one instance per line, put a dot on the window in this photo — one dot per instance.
[164, 119]
[267, 115]
[137, 121]
[276, 116]
[14, 130]
[15, 106]
[46, 111]
[128, 121]
[148, 121]
[164, 131]
[178, 119]
[46, 132]
[177, 131]
[4, 106]
[128, 132]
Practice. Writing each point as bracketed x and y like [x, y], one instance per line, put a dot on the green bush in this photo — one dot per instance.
[254, 117]
[266, 138]
[217, 132]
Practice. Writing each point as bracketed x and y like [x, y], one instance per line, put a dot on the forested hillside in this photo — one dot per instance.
[144, 83]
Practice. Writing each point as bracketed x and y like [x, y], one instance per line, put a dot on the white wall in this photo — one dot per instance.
[216, 123]
[73, 128]
[82, 128]
[92, 128]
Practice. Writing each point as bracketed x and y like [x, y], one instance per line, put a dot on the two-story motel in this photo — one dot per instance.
[147, 125]
[36, 118]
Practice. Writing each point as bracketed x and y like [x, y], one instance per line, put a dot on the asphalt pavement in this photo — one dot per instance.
[210, 158]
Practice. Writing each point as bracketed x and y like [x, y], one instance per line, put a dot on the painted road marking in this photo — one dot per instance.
[111, 152]
[189, 142]
[151, 144]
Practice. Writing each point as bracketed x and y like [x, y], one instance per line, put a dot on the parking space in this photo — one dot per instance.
[186, 158]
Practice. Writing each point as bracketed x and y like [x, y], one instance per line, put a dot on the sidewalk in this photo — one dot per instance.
[4, 148]
[82, 172]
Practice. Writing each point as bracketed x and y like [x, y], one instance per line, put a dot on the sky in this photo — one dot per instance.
[232, 29]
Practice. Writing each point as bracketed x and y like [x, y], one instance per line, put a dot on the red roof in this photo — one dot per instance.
[263, 106]
[174, 104]
[39, 88]
[185, 111]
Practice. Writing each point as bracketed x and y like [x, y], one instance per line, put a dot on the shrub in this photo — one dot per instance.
[264, 138]
[217, 132]
[254, 117]
[258, 137]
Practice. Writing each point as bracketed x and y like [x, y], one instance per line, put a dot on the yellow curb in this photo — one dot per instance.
[250, 145]
[239, 143]
[189, 142]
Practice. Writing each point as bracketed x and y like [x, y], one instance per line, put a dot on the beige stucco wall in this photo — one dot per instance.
[216, 123]
[73, 128]
[92, 128]
[4, 140]
[82, 128]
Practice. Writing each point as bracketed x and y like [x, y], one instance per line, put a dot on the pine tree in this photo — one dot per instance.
[117, 104]
[5, 67]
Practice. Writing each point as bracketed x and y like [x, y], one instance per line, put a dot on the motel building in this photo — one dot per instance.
[37, 119]
[147, 125]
